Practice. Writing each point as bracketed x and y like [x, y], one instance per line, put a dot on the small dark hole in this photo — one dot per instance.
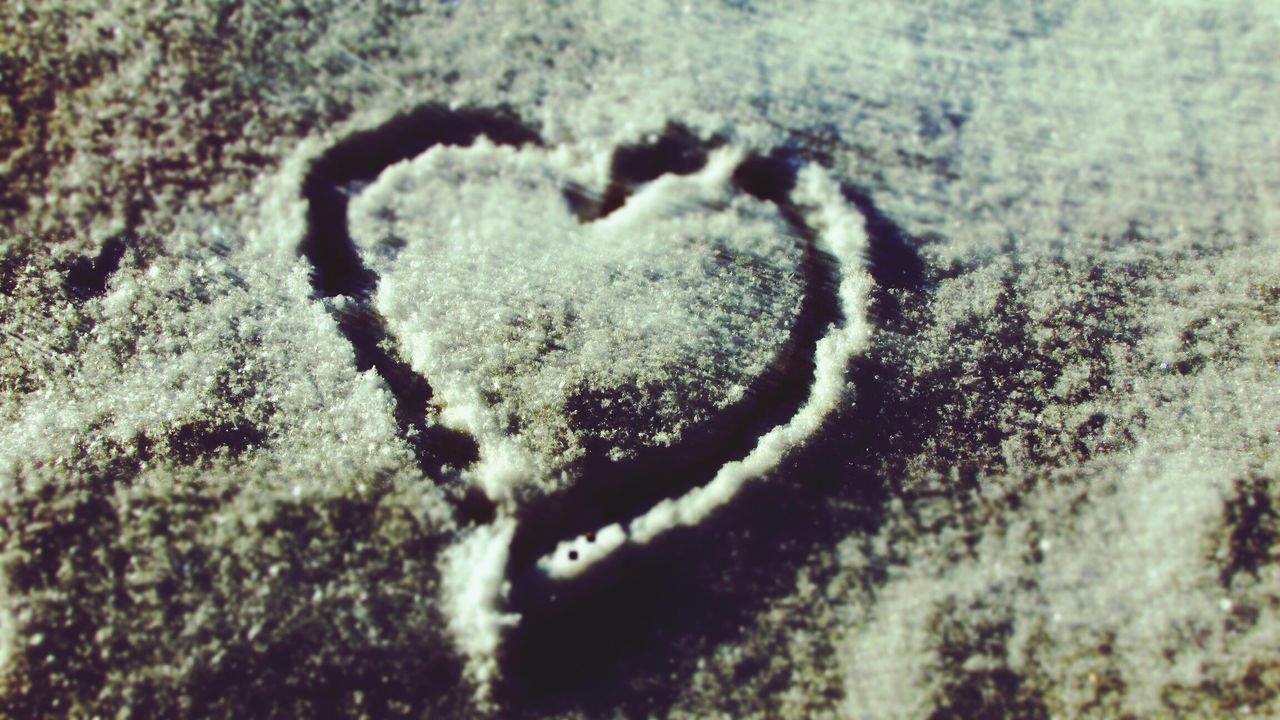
[766, 178]
[476, 507]
[591, 537]
[573, 554]
[87, 276]
[678, 152]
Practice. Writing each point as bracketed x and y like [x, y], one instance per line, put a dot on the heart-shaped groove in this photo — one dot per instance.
[351, 165]
[610, 504]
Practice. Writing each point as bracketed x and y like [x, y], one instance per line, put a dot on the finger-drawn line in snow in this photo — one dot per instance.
[339, 271]
[535, 539]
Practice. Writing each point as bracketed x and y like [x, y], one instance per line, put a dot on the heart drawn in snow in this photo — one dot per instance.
[546, 337]
[624, 367]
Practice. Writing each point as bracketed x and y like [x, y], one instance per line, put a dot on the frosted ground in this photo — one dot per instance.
[331, 330]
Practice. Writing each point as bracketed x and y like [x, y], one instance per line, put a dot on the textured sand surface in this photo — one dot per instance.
[312, 354]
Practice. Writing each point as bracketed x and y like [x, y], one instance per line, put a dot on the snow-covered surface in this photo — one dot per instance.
[1048, 490]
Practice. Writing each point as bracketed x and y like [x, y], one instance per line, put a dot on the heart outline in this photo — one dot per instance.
[342, 272]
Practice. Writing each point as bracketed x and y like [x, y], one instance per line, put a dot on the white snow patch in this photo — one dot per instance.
[475, 586]
[8, 630]
[277, 226]
[502, 466]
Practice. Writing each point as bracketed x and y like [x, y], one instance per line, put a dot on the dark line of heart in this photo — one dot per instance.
[337, 268]
[603, 491]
